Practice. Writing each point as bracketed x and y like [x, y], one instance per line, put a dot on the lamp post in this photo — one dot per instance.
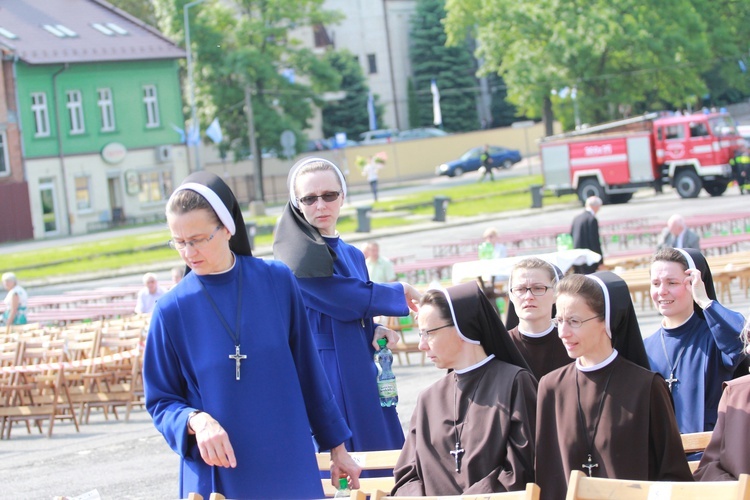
[191, 86]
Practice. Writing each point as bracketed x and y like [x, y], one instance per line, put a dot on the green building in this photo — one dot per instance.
[94, 101]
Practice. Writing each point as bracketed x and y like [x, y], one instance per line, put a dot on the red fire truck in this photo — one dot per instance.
[615, 159]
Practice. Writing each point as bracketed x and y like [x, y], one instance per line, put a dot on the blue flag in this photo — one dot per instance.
[373, 120]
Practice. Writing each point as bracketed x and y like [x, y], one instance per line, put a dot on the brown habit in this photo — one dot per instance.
[498, 436]
[637, 437]
[543, 354]
[728, 454]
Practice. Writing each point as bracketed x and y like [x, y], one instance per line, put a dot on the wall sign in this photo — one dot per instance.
[114, 152]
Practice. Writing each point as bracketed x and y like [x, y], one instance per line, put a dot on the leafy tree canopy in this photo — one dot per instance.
[645, 54]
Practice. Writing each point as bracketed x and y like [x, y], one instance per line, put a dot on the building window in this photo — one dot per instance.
[322, 39]
[156, 186]
[41, 116]
[4, 163]
[107, 109]
[75, 111]
[152, 106]
[372, 64]
[83, 193]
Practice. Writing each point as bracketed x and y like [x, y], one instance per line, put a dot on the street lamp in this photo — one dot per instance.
[191, 86]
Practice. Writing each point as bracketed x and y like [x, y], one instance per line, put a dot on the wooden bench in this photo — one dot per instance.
[531, 492]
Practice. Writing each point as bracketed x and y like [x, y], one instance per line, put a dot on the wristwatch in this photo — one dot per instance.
[190, 419]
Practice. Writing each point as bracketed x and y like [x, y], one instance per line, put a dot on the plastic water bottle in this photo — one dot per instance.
[386, 379]
[343, 490]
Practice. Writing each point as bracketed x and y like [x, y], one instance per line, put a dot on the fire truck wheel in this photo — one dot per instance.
[591, 187]
[715, 188]
[688, 184]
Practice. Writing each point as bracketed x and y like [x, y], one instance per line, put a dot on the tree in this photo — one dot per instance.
[629, 52]
[252, 45]
[350, 113]
[142, 9]
[452, 68]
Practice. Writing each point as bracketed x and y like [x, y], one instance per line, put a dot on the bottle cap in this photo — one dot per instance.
[343, 483]
[382, 342]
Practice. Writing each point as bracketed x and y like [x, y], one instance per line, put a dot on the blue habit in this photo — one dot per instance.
[341, 310]
[268, 414]
[713, 350]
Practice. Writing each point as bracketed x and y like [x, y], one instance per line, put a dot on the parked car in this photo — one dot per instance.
[470, 160]
[381, 136]
[421, 133]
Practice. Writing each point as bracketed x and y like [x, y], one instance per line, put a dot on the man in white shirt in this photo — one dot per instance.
[379, 268]
[148, 295]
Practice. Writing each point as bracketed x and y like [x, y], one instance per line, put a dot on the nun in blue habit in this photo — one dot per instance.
[231, 374]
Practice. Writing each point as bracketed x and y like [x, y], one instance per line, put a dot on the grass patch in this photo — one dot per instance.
[117, 252]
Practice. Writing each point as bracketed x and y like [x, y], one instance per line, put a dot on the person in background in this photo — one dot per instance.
[148, 295]
[606, 414]
[472, 431]
[678, 235]
[698, 346]
[371, 171]
[487, 165]
[341, 301]
[532, 307]
[231, 375]
[379, 268]
[491, 236]
[585, 233]
[740, 163]
[16, 301]
[178, 272]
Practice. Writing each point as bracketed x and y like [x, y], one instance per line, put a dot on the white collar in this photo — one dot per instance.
[536, 335]
[597, 366]
[476, 365]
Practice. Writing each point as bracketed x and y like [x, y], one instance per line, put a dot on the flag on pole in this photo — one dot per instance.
[373, 120]
[214, 131]
[193, 136]
[179, 131]
[436, 113]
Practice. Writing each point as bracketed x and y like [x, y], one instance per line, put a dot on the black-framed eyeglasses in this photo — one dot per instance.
[195, 244]
[428, 333]
[572, 322]
[536, 290]
[327, 197]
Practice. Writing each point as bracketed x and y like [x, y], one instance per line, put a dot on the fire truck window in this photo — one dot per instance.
[675, 132]
[660, 134]
[698, 129]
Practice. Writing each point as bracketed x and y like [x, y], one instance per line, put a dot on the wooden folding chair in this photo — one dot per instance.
[368, 460]
[531, 492]
[582, 487]
[402, 326]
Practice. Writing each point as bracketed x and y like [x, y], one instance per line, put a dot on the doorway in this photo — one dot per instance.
[50, 210]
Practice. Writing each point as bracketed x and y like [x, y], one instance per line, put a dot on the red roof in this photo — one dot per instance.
[38, 24]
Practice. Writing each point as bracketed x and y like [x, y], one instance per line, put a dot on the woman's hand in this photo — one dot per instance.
[343, 465]
[213, 440]
[412, 296]
[382, 332]
[695, 284]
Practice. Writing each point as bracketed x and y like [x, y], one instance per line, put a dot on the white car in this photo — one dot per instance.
[382, 136]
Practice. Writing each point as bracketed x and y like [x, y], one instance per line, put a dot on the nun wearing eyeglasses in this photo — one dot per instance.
[341, 301]
[231, 374]
[530, 312]
[606, 414]
[472, 431]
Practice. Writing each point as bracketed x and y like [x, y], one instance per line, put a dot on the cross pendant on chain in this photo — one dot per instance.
[457, 455]
[671, 380]
[589, 465]
[237, 357]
